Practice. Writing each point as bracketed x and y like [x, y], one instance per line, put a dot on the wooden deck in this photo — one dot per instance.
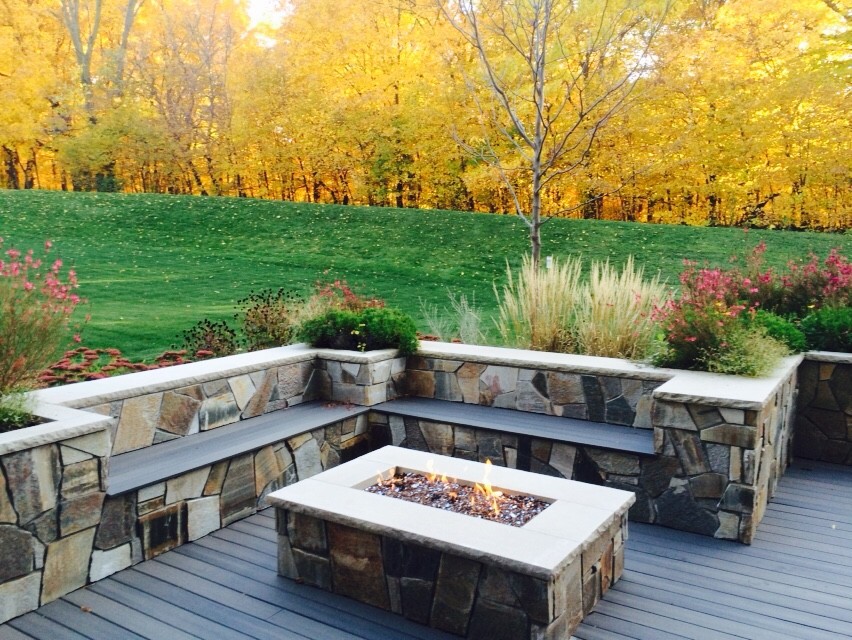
[795, 581]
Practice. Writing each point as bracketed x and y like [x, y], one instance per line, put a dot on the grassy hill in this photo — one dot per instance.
[151, 266]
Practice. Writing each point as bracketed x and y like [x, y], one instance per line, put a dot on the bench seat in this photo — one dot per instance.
[143, 467]
[536, 425]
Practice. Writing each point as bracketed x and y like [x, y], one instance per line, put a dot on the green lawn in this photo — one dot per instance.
[151, 266]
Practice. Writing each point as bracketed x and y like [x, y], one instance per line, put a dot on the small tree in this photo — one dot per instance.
[556, 73]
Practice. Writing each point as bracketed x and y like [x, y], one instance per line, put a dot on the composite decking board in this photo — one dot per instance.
[654, 620]
[235, 550]
[824, 471]
[239, 622]
[142, 467]
[822, 535]
[735, 601]
[813, 499]
[624, 628]
[222, 594]
[819, 505]
[10, 633]
[773, 621]
[748, 596]
[41, 628]
[676, 585]
[803, 523]
[730, 573]
[796, 560]
[178, 617]
[148, 625]
[691, 616]
[86, 623]
[836, 517]
[596, 633]
[250, 542]
[814, 580]
[255, 530]
[322, 604]
[538, 425]
[807, 548]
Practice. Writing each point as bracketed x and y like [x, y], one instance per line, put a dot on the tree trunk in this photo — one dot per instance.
[9, 161]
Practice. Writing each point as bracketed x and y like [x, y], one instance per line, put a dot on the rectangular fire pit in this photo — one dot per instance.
[464, 575]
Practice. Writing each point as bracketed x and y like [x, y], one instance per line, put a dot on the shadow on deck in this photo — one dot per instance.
[795, 581]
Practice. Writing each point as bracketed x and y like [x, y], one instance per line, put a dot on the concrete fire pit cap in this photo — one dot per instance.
[578, 515]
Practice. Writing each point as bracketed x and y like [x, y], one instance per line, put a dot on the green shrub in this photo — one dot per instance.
[829, 329]
[15, 413]
[781, 329]
[366, 330]
[747, 350]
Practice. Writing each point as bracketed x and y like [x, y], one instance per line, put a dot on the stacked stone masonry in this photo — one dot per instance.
[715, 469]
[824, 414]
[452, 593]
[51, 498]
[600, 398]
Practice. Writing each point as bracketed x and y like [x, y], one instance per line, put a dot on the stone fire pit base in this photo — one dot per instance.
[470, 577]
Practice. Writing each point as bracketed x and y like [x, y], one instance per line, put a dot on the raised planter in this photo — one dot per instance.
[722, 442]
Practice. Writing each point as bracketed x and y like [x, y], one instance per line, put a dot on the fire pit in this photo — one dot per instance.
[469, 576]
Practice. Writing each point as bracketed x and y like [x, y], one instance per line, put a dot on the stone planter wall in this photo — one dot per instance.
[616, 397]
[824, 414]
[358, 378]
[723, 442]
[145, 420]
[722, 462]
[51, 490]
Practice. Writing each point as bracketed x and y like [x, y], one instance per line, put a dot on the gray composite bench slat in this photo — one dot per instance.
[569, 430]
[675, 585]
[142, 467]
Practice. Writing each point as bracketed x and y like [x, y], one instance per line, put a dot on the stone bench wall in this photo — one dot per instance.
[717, 464]
[616, 399]
[824, 414]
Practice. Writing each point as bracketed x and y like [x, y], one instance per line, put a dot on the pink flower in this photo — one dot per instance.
[77, 338]
[28, 286]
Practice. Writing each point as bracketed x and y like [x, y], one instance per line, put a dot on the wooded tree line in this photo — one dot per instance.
[740, 112]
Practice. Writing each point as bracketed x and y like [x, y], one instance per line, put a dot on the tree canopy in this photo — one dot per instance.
[738, 111]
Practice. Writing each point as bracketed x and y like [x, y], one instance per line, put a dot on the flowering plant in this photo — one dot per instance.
[806, 285]
[36, 302]
[701, 320]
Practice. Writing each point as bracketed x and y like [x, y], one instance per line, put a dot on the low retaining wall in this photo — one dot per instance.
[722, 443]
[824, 415]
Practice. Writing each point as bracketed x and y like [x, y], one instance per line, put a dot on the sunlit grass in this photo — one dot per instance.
[151, 266]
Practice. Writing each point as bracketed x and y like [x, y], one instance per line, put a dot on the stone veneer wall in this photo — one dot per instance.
[151, 418]
[50, 507]
[717, 466]
[463, 596]
[57, 532]
[718, 458]
[623, 399]
[824, 412]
